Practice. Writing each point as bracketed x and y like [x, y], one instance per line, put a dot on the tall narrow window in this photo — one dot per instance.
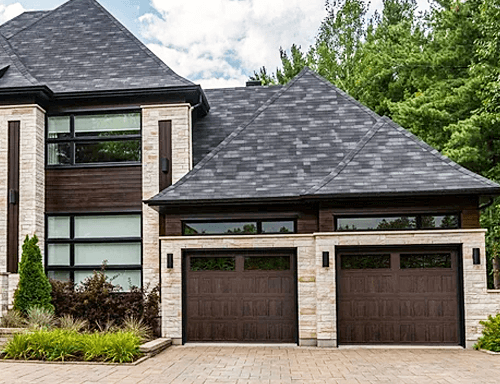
[13, 197]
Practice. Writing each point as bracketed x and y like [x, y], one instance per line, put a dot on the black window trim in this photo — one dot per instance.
[258, 223]
[109, 240]
[72, 140]
[418, 217]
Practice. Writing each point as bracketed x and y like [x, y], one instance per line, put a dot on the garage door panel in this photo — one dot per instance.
[414, 300]
[252, 302]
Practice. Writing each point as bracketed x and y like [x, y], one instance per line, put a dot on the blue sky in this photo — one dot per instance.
[216, 43]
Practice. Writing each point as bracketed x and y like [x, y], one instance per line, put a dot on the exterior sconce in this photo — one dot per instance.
[326, 259]
[170, 260]
[476, 256]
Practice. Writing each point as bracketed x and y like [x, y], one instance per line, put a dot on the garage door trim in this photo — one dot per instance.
[239, 251]
[409, 248]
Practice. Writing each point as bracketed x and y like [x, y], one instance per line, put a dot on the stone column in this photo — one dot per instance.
[31, 183]
[180, 116]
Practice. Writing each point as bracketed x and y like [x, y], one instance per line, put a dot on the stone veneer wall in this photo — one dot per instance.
[180, 116]
[31, 185]
[316, 285]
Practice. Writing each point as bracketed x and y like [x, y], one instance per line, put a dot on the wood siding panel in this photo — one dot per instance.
[102, 189]
[470, 218]
[13, 198]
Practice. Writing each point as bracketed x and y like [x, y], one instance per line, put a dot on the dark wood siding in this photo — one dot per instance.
[13, 197]
[93, 189]
[398, 305]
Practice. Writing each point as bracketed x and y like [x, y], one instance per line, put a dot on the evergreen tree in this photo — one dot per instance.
[34, 288]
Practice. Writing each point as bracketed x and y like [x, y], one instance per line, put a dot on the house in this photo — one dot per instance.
[267, 214]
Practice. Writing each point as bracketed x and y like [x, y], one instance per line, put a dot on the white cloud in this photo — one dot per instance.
[10, 11]
[221, 42]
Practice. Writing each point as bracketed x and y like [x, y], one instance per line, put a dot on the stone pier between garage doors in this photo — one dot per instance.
[317, 295]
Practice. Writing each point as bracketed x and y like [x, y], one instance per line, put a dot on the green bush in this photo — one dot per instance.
[99, 301]
[40, 318]
[62, 344]
[13, 319]
[491, 334]
[34, 287]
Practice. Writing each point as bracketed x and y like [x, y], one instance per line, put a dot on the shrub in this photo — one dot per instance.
[137, 327]
[34, 287]
[99, 301]
[13, 319]
[61, 344]
[39, 317]
[491, 334]
[69, 323]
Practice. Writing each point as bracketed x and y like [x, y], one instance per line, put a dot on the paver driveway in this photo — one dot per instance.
[231, 364]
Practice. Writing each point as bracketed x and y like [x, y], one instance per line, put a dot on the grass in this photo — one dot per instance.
[66, 344]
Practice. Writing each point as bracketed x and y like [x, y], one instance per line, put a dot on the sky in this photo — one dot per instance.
[215, 43]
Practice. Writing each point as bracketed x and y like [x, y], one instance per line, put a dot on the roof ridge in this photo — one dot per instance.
[236, 132]
[438, 154]
[348, 158]
[4, 43]
[143, 47]
[346, 96]
[37, 20]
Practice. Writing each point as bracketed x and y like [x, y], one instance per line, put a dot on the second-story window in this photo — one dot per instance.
[94, 139]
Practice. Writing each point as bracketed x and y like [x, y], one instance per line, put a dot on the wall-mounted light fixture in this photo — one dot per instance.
[476, 256]
[326, 259]
[170, 260]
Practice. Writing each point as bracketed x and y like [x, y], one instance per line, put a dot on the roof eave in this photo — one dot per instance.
[37, 90]
[157, 203]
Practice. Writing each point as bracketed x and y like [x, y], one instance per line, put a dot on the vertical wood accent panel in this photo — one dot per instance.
[13, 198]
[165, 153]
[101, 189]
[470, 219]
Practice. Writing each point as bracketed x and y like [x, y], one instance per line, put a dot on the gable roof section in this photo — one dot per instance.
[309, 139]
[80, 47]
[15, 74]
[290, 143]
[24, 20]
[229, 108]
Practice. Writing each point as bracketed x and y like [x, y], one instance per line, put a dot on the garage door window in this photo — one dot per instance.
[365, 261]
[271, 263]
[430, 260]
[212, 264]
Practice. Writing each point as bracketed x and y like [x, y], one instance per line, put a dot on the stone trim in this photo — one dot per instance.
[23, 106]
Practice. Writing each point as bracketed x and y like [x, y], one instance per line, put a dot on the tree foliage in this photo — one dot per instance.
[34, 287]
[435, 73]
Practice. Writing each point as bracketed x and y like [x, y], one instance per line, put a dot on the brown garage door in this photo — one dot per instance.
[242, 297]
[398, 297]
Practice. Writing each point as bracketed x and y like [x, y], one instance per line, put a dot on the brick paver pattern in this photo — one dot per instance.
[236, 364]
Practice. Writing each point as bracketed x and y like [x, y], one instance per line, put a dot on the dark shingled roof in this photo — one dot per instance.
[16, 75]
[309, 139]
[229, 108]
[81, 47]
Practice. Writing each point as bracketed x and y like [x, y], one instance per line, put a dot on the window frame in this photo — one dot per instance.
[72, 140]
[258, 223]
[71, 241]
[418, 217]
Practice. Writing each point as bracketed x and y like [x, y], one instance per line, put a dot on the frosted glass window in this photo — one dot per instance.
[125, 279]
[58, 254]
[58, 127]
[58, 227]
[115, 254]
[123, 123]
[108, 226]
[59, 275]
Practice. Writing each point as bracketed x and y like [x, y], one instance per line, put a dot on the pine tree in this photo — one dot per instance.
[34, 288]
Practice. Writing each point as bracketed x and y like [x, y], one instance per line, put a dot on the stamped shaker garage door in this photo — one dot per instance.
[401, 297]
[240, 297]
